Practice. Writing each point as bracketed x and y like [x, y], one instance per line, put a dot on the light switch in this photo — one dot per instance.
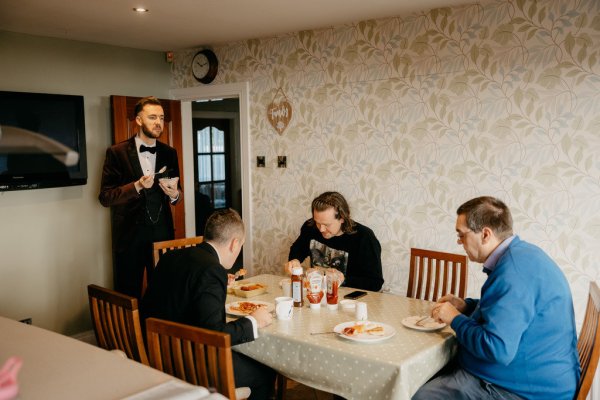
[281, 161]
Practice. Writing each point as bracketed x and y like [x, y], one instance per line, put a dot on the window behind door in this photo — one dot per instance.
[211, 168]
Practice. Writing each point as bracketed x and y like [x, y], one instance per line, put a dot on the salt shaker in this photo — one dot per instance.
[361, 311]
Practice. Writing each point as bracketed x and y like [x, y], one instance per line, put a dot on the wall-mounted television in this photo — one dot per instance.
[42, 141]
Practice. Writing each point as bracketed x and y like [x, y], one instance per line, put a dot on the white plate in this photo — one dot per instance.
[427, 326]
[389, 331]
[229, 310]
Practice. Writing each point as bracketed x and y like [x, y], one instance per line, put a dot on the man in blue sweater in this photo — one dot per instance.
[518, 341]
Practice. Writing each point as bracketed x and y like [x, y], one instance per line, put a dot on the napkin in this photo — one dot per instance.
[9, 388]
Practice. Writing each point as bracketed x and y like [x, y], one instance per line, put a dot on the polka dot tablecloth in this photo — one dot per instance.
[391, 369]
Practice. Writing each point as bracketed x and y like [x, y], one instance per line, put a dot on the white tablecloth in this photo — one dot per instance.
[391, 369]
[59, 367]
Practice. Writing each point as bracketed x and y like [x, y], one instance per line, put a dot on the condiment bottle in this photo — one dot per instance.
[332, 292]
[297, 287]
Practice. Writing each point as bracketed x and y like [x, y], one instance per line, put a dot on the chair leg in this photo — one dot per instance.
[281, 383]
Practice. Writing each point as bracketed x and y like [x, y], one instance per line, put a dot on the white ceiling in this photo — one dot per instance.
[183, 24]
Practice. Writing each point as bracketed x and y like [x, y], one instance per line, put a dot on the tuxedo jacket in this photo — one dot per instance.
[121, 170]
[190, 286]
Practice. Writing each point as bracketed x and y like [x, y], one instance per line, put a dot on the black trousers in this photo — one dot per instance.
[258, 377]
[129, 265]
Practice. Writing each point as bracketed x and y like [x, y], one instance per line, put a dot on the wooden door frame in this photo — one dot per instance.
[241, 91]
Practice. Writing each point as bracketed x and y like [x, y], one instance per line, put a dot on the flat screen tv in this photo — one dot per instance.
[42, 141]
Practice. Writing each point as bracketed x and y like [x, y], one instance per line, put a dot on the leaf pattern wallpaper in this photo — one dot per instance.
[411, 116]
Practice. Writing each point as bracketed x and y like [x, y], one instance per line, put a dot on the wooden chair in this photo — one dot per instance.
[588, 344]
[196, 355]
[160, 248]
[116, 321]
[434, 274]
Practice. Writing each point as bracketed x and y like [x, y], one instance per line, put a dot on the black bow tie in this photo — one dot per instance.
[148, 149]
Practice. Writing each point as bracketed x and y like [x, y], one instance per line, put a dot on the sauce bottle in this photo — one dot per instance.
[332, 292]
[297, 287]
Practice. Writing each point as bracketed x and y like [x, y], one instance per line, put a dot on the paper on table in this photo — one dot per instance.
[175, 390]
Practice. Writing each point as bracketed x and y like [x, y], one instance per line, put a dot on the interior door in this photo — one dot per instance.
[124, 127]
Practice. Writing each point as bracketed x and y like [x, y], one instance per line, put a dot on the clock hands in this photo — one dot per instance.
[202, 65]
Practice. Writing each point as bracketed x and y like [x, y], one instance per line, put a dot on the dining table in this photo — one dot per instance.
[55, 366]
[305, 348]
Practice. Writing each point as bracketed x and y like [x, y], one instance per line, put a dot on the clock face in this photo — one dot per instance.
[200, 65]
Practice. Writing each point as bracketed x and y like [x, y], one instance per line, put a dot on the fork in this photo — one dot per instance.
[160, 171]
[420, 322]
[240, 272]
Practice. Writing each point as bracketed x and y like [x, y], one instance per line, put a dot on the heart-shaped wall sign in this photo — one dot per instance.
[279, 115]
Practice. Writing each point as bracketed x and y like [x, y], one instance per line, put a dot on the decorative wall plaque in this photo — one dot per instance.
[279, 112]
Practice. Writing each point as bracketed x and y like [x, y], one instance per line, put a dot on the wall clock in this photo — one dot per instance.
[205, 66]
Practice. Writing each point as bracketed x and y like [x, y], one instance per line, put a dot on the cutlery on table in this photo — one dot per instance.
[322, 333]
[240, 272]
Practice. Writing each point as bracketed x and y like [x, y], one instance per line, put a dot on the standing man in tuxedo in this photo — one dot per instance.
[140, 204]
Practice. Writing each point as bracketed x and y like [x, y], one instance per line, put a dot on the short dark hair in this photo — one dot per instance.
[487, 211]
[223, 225]
[334, 199]
[139, 106]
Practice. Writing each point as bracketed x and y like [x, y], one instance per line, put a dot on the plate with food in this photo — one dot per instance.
[249, 289]
[364, 331]
[243, 308]
[422, 323]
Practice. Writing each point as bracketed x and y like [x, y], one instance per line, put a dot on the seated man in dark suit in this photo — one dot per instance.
[190, 286]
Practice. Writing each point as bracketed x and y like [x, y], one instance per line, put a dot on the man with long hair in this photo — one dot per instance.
[333, 240]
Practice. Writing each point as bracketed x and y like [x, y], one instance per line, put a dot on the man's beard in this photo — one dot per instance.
[150, 134]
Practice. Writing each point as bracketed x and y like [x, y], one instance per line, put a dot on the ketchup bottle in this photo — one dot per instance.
[297, 287]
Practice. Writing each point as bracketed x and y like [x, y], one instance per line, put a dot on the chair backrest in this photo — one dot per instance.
[116, 321]
[196, 355]
[434, 274]
[161, 248]
[588, 344]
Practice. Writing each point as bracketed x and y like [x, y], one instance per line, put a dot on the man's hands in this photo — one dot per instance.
[263, 317]
[169, 188]
[145, 182]
[230, 279]
[447, 308]
[288, 266]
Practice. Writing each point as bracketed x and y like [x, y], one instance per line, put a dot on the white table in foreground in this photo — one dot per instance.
[59, 367]
[391, 369]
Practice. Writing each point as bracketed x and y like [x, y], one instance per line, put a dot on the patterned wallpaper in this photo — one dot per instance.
[410, 116]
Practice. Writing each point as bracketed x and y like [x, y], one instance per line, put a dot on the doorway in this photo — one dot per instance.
[239, 147]
[217, 183]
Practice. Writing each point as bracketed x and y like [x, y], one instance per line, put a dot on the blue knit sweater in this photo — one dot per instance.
[521, 334]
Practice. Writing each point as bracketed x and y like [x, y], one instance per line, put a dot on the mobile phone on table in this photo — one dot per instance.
[357, 294]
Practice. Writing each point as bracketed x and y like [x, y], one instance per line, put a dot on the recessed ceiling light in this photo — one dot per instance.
[140, 9]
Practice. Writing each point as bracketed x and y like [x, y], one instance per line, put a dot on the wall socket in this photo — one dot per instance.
[27, 321]
[281, 161]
